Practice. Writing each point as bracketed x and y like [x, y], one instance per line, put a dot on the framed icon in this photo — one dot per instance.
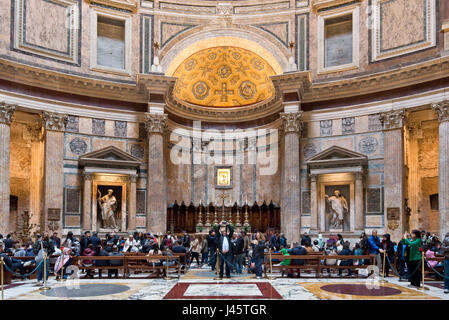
[223, 177]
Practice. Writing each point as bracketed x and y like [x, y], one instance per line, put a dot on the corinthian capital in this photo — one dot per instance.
[393, 119]
[442, 110]
[6, 112]
[292, 121]
[54, 121]
[155, 123]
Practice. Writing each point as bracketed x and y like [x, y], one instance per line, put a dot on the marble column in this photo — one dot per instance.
[393, 123]
[290, 208]
[442, 110]
[37, 172]
[87, 201]
[155, 125]
[313, 204]
[132, 202]
[359, 208]
[413, 175]
[54, 168]
[6, 112]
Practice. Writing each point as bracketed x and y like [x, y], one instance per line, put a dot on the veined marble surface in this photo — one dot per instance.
[289, 289]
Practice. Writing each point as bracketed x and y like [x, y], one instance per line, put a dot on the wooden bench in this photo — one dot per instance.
[428, 270]
[78, 261]
[313, 261]
[30, 268]
[140, 262]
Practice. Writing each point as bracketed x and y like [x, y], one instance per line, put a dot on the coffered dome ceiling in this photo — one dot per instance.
[224, 77]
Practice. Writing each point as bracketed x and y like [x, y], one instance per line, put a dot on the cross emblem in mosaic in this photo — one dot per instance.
[224, 92]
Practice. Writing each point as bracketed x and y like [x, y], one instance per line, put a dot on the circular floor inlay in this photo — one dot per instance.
[85, 290]
[360, 290]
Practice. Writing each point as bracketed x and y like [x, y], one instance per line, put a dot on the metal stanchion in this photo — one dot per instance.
[44, 287]
[383, 271]
[1, 276]
[422, 266]
[217, 277]
[271, 266]
[166, 268]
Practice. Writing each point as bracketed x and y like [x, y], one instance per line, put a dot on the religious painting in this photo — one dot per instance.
[223, 177]
[109, 211]
[337, 199]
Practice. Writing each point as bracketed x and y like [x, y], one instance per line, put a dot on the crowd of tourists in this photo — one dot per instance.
[232, 251]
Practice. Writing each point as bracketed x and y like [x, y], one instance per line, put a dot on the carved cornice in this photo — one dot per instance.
[367, 84]
[6, 112]
[155, 123]
[138, 92]
[54, 121]
[298, 82]
[155, 84]
[292, 122]
[322, 4]
[442, 110]
[130, 5]
[393, 119]
[62, 82]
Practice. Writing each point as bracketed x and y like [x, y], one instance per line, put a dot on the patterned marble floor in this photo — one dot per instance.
[199, 284]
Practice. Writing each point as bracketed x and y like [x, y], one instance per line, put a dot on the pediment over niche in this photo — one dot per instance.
[109, 156]
[337, 157]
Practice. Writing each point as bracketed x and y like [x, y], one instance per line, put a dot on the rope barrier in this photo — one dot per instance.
[393, 268]
[228, 263]
[24, 275]
[441, 275]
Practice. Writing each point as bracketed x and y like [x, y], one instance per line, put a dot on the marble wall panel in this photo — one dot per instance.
[85, 125]
[370, 145]
[98, 143]
[347, 143]
[76, 146]
[72, 221]
[374, 221]
[73, 180]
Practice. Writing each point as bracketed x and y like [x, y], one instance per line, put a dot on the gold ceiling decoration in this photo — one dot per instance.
[224, 77]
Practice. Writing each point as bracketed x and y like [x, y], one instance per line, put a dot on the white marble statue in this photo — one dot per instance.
[338, 206]
[108, 205]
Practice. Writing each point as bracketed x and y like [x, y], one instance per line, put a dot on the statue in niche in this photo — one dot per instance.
[108, 205]
[338, 206]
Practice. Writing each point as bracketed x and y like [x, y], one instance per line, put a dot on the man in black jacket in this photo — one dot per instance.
[224, 247]
[212, 245]
[96, 242]
[296, 251]
[186, 240]
[237, 252]
[179, 248]
[84, 241]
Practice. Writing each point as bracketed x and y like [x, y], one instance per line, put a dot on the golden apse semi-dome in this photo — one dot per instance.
[224, 77]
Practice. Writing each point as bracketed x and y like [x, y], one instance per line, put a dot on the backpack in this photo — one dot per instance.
[406, 253]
